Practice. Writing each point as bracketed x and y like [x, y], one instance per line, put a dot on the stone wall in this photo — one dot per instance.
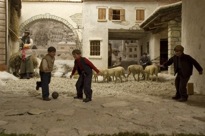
[174, 38]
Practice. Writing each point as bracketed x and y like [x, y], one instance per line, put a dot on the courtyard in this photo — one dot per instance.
[144, 107]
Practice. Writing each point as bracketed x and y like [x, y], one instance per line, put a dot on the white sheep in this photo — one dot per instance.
[115, 73]
[135, 69]
[151, 70]
[95, 75]
[109, 74]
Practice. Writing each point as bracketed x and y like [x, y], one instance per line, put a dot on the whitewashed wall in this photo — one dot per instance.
[154, 43]
[94, 30]
[60, 9]
[193, 37]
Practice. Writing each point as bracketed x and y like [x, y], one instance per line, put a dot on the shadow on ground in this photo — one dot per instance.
[196, 100]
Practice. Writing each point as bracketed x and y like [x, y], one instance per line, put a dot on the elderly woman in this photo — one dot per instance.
[26, 68]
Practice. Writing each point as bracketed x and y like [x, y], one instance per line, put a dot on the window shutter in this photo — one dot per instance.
[137, 14]
[122, 14]
[101, 14]
[140, 14]
[110, 14]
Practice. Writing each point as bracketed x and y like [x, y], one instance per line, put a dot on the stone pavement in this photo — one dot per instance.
[68, 117]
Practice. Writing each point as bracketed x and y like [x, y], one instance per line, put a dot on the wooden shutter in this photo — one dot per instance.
[101, 14]
[110, 14]
[140, 16]
[122, 14]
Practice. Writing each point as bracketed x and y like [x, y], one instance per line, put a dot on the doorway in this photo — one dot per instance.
[163, 52]
[123, 47]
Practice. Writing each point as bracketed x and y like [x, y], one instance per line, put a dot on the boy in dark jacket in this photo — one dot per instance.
[84, 68]
[183, 67]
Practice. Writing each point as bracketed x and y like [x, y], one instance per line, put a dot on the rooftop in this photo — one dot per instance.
[159, 18]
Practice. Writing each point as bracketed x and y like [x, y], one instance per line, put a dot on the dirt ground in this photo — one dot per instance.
[143, 106]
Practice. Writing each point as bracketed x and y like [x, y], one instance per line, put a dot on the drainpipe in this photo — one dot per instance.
[7, 32]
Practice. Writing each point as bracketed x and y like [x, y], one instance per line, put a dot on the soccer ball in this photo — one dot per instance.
[55, 95]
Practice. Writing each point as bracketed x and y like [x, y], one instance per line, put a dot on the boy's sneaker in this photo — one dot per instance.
[176, 97]
[87, 100]
[77, 97]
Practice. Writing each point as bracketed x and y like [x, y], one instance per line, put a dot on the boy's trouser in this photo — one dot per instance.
[45, 80]
[84, 83]
[180, 84]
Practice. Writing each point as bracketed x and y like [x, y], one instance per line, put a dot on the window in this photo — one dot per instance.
[95, 48]
[130, 49]
[140, 14]
[101, 14]
[117, 14]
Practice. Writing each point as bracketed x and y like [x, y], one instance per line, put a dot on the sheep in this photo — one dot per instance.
[95, 75]
[151, 70]
[109, 74]
[119, 71]
[135, 69]
[115, 73]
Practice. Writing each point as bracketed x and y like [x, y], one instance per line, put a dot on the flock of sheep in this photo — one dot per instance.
[113, 74]
[118, 72]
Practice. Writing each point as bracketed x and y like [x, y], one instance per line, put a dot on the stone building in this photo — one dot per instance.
[165, 27]
[92, 23]
[88, 23]
[105, 20]
[179, 23]
[10, 12]
[131, 50]
[193, 33]
[3, 33]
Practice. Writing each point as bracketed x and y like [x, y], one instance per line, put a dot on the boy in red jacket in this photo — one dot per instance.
[84, 68]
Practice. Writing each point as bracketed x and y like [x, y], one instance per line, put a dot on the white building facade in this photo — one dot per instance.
[193, 33]
[103, 20]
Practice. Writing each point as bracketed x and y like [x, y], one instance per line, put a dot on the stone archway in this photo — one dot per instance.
[50, 30]
[46, 16]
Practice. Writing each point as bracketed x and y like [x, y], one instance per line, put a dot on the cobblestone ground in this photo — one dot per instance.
[116, 107]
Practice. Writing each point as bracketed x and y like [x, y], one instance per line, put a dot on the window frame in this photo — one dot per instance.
[95, 56]
[122, 14]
